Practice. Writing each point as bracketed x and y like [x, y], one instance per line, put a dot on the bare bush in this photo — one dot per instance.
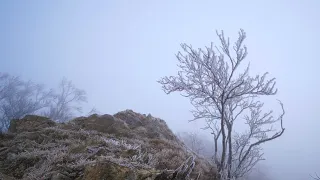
[221, 95]
[93, 111]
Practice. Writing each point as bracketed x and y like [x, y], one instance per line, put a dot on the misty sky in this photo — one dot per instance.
[116, 51]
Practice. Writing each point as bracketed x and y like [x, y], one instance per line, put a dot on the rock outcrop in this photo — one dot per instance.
[125, 146]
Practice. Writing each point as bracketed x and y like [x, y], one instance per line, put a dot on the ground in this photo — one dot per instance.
[126, 145]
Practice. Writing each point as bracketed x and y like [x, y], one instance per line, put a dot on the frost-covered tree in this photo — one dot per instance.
[221, 94]
[19, 98]
[66, 101]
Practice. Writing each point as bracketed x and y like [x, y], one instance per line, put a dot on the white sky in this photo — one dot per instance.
[117, 51]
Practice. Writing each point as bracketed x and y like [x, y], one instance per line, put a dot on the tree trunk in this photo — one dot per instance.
[223, 155]
[230, 150]
[215, 149]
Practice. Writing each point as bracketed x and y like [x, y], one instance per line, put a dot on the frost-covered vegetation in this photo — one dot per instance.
[223, 93]
[137, 147]
[19, 98]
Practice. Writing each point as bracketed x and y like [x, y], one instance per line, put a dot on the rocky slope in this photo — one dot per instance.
[127, 145]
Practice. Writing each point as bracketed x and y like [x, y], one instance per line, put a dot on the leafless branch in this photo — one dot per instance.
[316, 177]
[208, 77]
[19, 98]
[66, 102]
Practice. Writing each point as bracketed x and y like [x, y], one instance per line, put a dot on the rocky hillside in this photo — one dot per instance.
[125, 146]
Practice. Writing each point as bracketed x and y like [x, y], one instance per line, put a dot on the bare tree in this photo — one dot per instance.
[316, 177]
[221, 95]
[19, 98]
[216, 132]
[66, 102]
[192, 140]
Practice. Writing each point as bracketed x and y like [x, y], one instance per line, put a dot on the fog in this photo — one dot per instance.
[116, 51]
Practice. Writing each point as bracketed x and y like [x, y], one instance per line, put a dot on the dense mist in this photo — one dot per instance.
[112, 56]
